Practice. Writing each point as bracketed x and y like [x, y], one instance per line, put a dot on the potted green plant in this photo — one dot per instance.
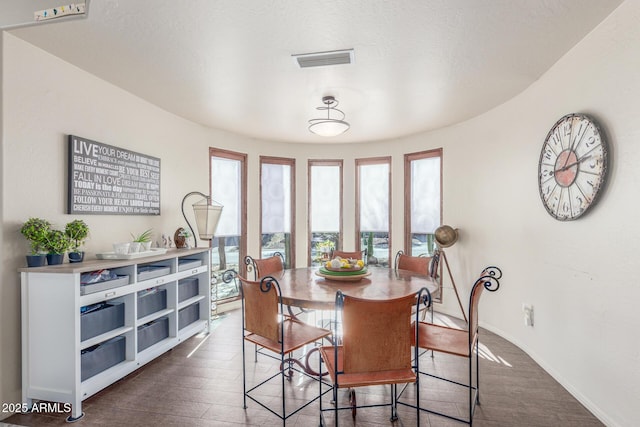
[56, 244]
[371, 259]
[35, 230]
[325, 247]
[77, 232]
[141, 242]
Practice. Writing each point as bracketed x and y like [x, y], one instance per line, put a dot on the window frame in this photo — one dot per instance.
[242, 158]
[310, 164]
[366, 162]
[292, 164]
[408, 158]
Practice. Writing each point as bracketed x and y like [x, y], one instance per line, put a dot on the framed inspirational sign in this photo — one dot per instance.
[109, 180]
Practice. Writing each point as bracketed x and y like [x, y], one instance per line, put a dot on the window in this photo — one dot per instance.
[423, 204]
[277, 202]
[373, 210]
[325, 208]
[229, 187]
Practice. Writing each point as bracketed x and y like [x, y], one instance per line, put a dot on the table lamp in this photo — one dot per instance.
[207, 213]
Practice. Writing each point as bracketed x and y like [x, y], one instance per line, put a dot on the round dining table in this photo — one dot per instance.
[304, 287]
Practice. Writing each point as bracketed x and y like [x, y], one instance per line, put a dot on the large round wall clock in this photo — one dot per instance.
[572, 167]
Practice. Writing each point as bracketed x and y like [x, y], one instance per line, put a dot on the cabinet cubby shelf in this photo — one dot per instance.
[153, 348]
[51, 337]
[104, 337]
[190, 301]
[154, 316]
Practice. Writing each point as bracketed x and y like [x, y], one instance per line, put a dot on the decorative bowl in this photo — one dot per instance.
[352, 267]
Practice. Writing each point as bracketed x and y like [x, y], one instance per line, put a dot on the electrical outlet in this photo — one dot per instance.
[528, 314]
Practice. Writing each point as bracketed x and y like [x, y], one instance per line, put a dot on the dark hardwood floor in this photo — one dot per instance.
[199, 383]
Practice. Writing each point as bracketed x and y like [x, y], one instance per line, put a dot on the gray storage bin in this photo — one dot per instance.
[151, 271]
[187, 263]
[151, 302]
[188, 288]
[152, 333]
[98, 358]
[188, 315]
[89, 288]
[105, 319]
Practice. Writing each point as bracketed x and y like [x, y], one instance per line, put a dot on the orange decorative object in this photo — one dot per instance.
[179, 239]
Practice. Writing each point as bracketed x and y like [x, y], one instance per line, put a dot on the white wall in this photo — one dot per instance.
[578, 275]
[39, 109]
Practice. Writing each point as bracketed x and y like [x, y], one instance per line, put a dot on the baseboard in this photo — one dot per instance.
[587, 403]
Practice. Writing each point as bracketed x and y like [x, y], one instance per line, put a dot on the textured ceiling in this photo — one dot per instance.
[419, 65]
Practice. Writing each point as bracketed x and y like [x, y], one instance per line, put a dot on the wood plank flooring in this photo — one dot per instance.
[199, 383]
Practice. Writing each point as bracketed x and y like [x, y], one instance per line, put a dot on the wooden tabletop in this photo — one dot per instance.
[301, 287]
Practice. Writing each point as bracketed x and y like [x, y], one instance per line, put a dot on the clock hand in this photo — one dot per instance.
[570, 165]
[572, 146]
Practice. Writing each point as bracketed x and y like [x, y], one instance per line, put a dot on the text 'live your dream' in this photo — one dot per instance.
[110, 180]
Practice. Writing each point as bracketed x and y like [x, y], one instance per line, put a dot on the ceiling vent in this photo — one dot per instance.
[321, 59]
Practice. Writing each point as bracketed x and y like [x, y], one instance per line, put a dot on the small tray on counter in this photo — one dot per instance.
[103, 285]
[113, 255]
[187, 263]
[151, 271]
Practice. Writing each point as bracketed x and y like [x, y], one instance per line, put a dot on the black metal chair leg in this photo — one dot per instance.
[394, 404]
[244, 378]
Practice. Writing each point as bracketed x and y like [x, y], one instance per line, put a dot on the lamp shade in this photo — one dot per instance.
[333, 124]
[329, 127]
[207, 217]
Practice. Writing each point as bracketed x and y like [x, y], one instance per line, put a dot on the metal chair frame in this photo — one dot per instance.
[285, 347]
[432, 271]
[422, 297]
[253, 265]
[489, 280]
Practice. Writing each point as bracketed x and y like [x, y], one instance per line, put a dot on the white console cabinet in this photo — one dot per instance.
[155, 303]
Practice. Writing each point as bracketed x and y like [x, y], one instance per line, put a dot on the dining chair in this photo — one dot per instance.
[261, 267]
[421, 264]
[347, 255]
[278, 336]
[459, 342]
[374, 347]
